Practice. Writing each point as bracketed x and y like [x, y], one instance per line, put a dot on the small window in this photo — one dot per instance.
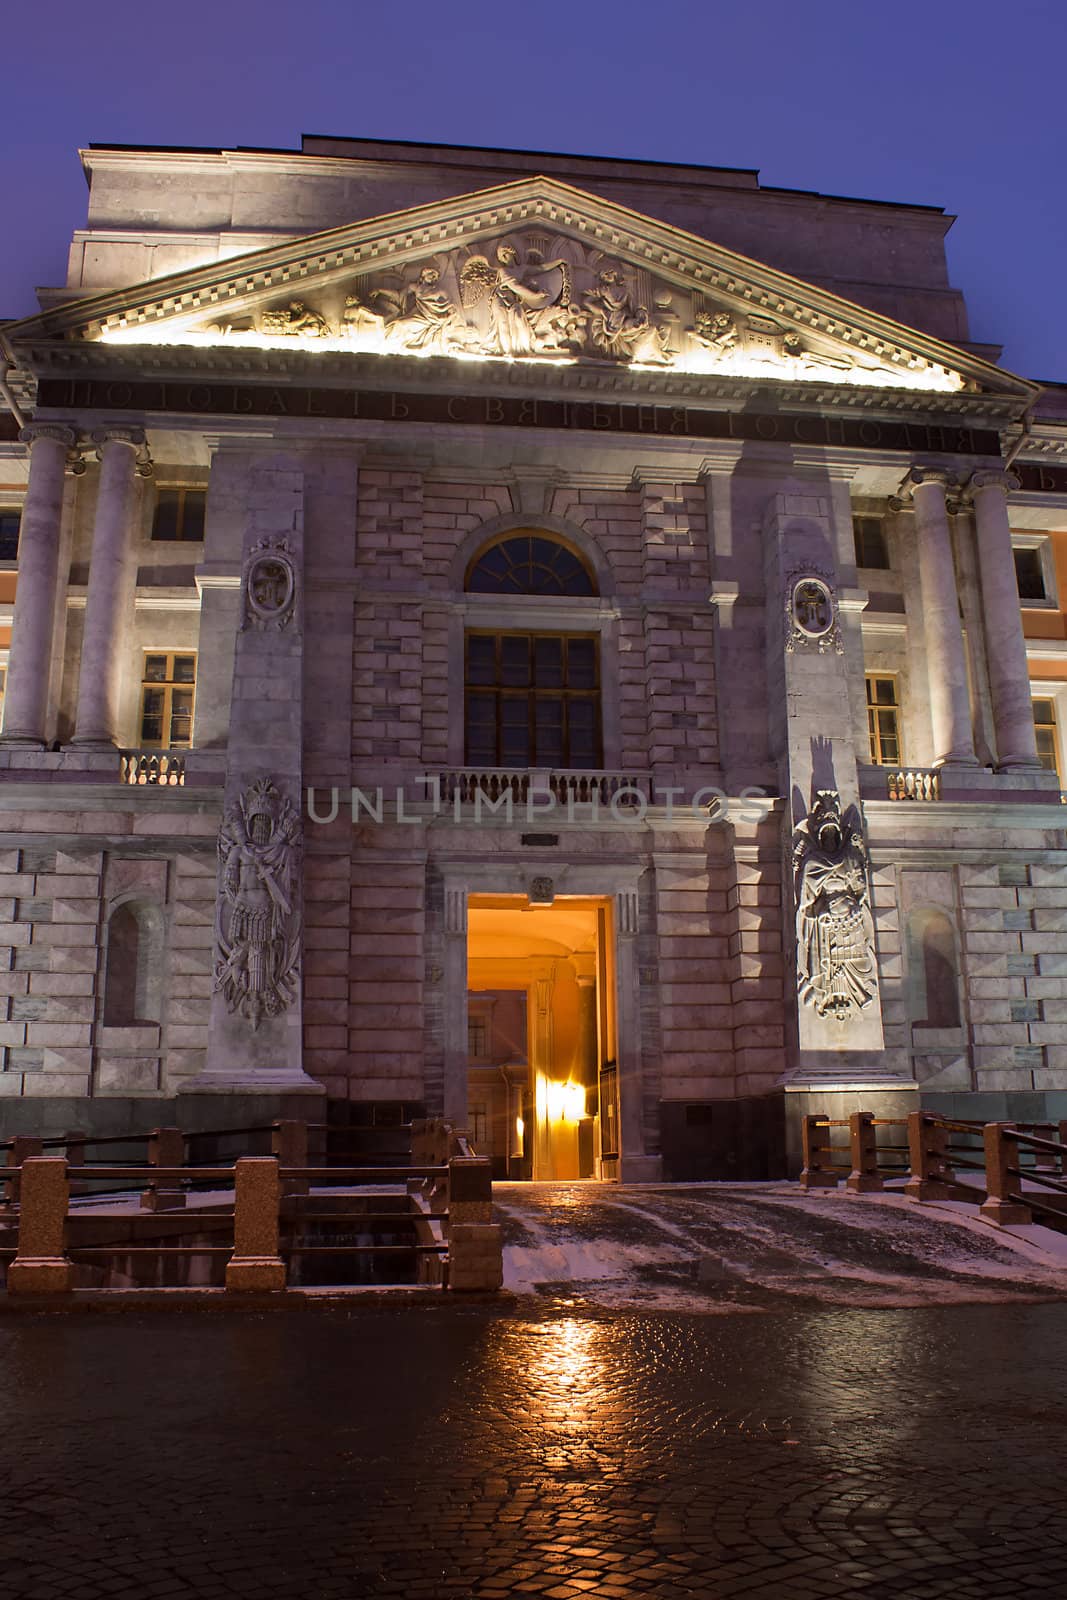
[871, 548]
[10, 522]
[179, 515]
[1045, 733]
[883, 720]
[168, 684]
[1030, 573]
[478, 1126]
[478, 1038]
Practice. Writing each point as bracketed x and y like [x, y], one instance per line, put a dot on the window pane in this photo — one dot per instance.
[481, 658]
[529, 564]
[581, 663]
[181, 716]
[1029, 574]
[9, 535]
[184, 669]
[155, 669]
[165, 523]
[192, 525]
[871, 548]
[152, 716]
[1043, 712]
[514, 661]
[548, 663]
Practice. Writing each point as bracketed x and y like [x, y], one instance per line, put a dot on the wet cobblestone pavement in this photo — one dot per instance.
[529, 1448]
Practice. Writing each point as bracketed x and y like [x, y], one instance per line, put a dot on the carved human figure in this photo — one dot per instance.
[360, 323]
[296, 319]
[834, 925]
[258, 923]
[811, 363]
[529, 309]
[617, 327]
[429, 318]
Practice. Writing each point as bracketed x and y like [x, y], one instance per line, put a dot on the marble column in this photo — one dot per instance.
[107, 602]
[946, 659]
[33, 629]
[1009, 676]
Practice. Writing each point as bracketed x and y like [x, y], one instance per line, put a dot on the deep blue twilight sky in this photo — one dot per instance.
[918, 100]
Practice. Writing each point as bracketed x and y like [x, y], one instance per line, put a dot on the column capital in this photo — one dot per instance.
[57, 431]
[994, 478]
[133, 437]
[917, 478]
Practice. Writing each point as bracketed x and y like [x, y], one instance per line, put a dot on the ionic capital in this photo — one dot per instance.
[132, 437]
[57, 431]
[1005, 481]
[916, 478]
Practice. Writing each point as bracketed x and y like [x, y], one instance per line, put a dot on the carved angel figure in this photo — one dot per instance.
[257, 919]
[835, 928]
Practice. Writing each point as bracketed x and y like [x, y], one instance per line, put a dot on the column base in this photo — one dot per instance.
[255, 1274]
[39, 1275]
[92, 741]
[1005, 1213]
[22, 741]
[952, 763]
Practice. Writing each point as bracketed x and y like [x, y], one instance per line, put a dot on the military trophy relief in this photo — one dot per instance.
[836, 962]
[257, 916]
[534, 297]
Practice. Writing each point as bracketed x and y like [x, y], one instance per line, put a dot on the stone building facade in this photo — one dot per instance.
[577, 645]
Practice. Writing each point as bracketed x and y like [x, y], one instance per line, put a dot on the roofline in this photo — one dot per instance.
[509, 150]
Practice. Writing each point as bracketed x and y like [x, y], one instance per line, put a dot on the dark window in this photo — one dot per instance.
[179, 514]
[1045, 734]
[1029, 573]
[532, 700]
[529, 564]
[871, 548]
[9, 535]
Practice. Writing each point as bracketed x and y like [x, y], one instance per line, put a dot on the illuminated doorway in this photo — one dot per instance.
[542, 1096]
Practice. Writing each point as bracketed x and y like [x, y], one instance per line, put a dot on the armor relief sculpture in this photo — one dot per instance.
[836, 963]
[532, 296]
[811, 614]
[258, 918]
[269, 587]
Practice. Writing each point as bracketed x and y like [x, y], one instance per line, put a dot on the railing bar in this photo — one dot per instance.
[1036, 1176]
[149, 1249]
[360, 1249]
[1032, 1142]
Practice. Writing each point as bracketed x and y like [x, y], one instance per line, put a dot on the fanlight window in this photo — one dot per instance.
[529, 563]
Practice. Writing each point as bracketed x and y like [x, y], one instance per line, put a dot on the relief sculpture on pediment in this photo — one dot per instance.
[532, 296]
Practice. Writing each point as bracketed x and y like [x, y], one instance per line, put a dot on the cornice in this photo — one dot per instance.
[337, 369]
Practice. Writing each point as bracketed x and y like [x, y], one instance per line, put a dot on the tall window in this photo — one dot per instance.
[871, 548]
[533, 700]
[883, 720]
[531, 696]
[133, 980]
[10, 521]
[179, 514]
[1046, 734]
[168, 685]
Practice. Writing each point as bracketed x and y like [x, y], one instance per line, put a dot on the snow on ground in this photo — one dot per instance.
[749, 1247]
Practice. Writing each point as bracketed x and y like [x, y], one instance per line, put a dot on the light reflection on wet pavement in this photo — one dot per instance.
[535, 1448]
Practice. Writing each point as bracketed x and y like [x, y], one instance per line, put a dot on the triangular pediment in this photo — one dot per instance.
[532, 271]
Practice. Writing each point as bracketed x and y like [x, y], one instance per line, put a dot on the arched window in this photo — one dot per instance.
[529, 563]
[935, 990]
[531, 696]
[133, 980]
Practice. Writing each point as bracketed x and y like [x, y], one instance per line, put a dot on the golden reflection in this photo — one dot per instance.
[563, 1369]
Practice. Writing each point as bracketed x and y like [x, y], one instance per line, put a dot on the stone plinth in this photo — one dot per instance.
[255, 1265]
[41, 1266]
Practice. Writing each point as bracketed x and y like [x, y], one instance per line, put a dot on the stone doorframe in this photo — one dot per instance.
[615, 882]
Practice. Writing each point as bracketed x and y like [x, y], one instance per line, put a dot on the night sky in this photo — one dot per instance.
[949, 105]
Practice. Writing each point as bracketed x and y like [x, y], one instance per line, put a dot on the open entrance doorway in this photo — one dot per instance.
[542, 1080]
